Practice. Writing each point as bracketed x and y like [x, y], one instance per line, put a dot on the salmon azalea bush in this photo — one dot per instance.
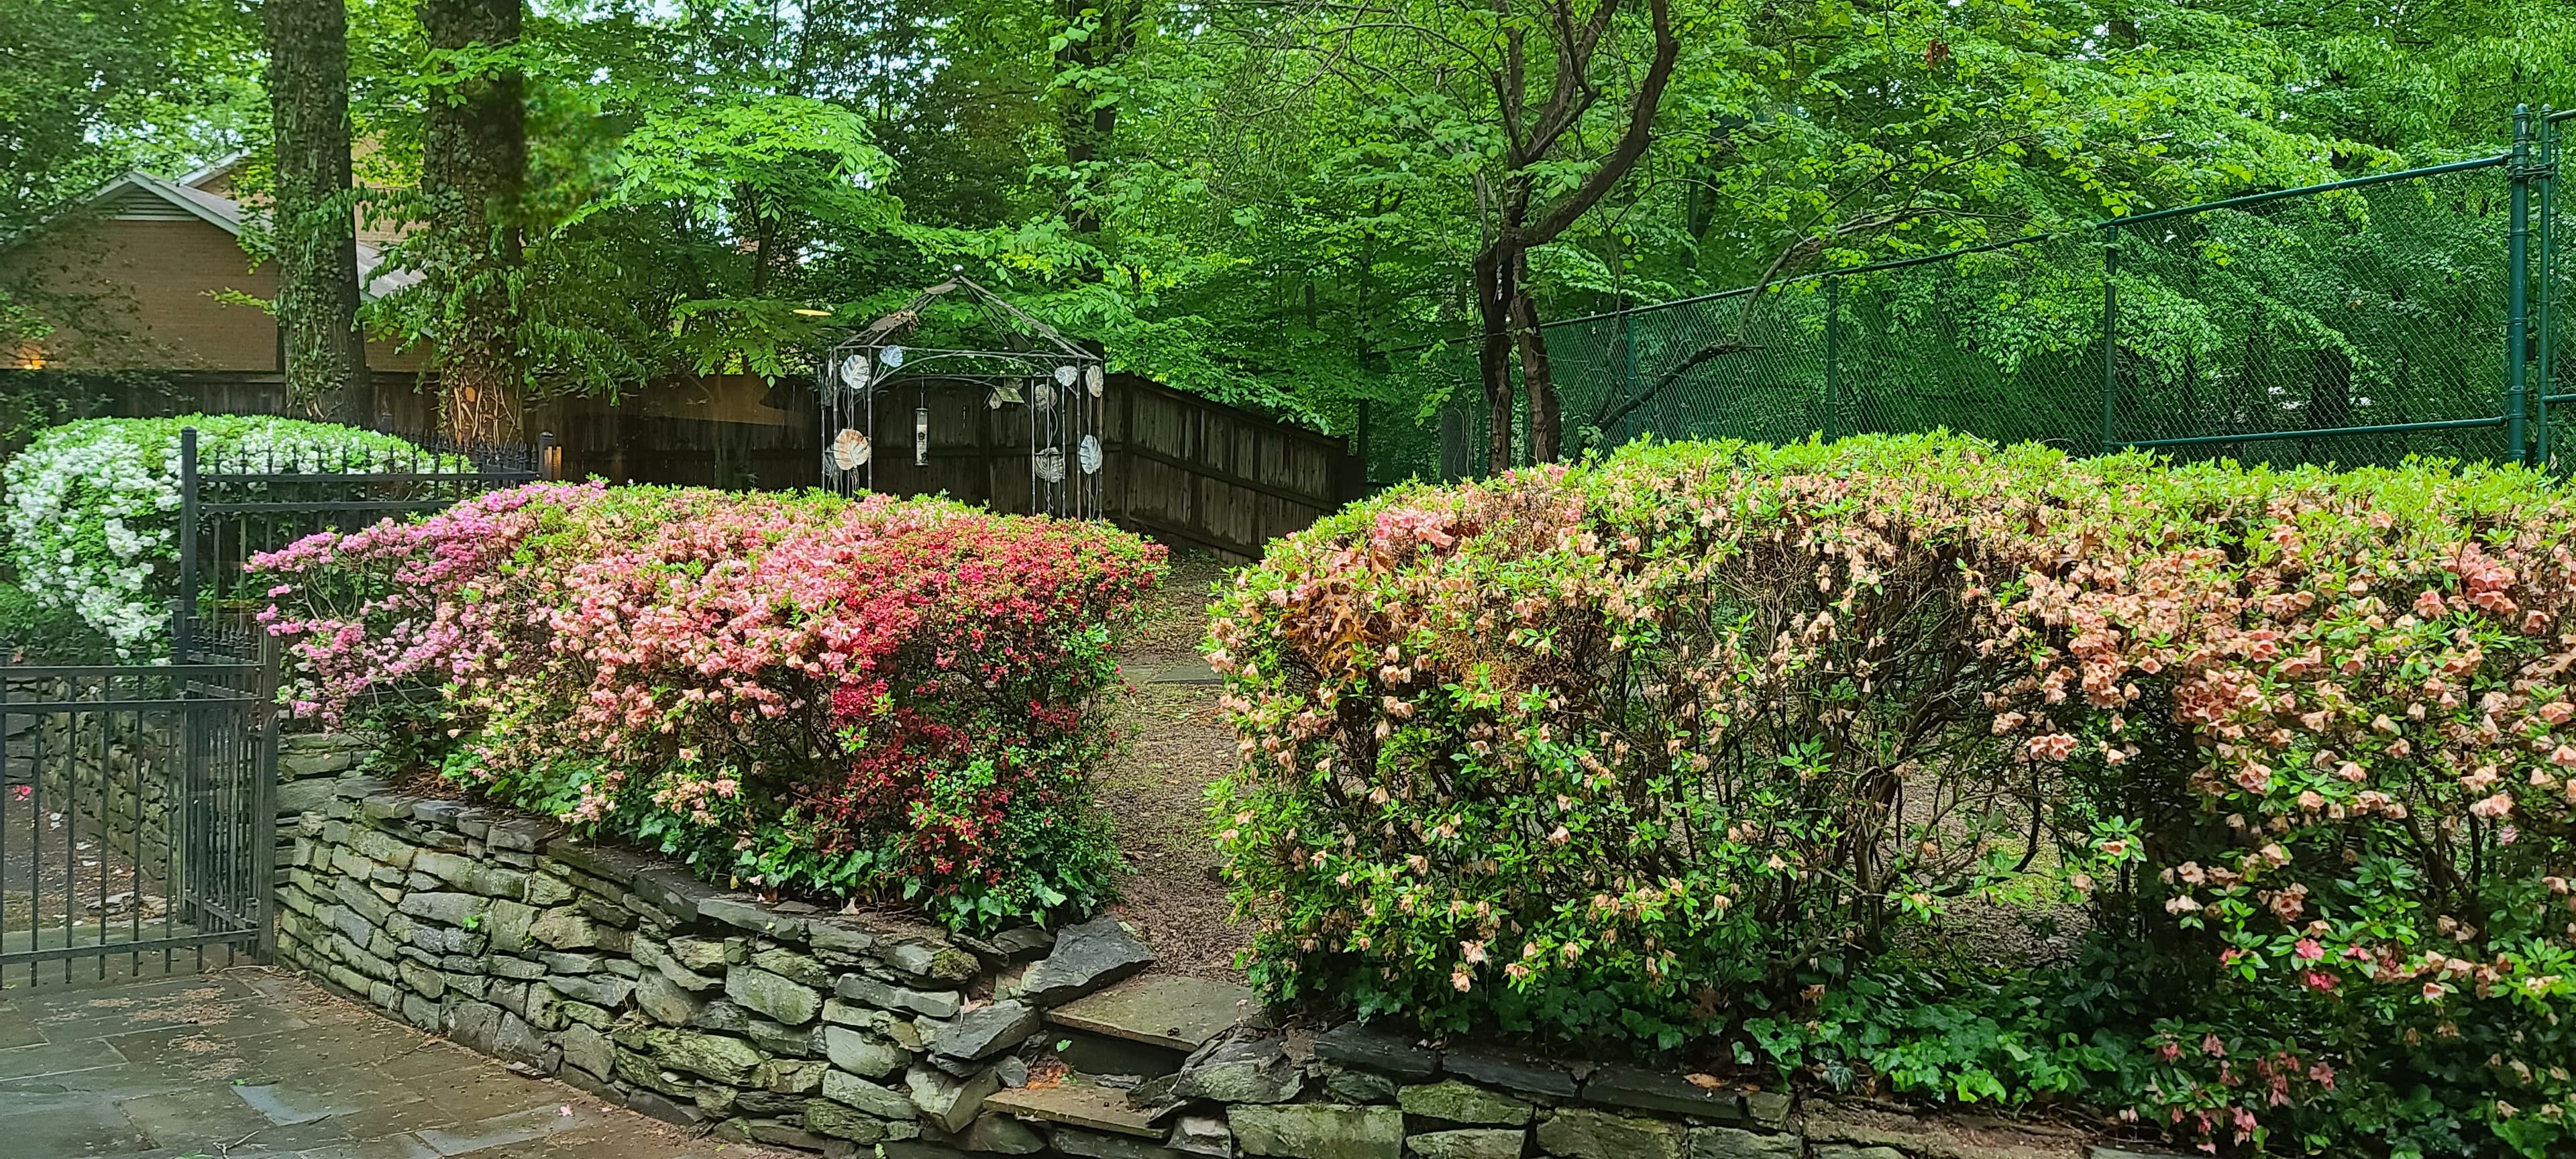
[872, 698]
[1715, 744]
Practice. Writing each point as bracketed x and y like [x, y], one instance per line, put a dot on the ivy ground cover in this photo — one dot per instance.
[2256, 786]
[873, 699]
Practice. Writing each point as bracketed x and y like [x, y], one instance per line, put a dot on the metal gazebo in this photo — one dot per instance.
[1055, 384]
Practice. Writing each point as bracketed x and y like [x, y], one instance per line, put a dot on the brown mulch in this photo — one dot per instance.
[1156, 792]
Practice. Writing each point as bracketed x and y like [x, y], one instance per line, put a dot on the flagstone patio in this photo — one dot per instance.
[252, 1061]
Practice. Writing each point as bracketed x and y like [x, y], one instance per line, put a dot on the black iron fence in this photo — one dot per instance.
[236, 503]
[137, 816]
[2355, 322]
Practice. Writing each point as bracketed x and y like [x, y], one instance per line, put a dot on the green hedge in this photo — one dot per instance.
[2233, 801]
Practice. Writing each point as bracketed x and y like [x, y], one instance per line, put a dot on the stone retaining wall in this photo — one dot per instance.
[626, 977]
[847, 1034]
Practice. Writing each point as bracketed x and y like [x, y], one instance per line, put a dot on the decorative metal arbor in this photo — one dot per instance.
[1057, 385]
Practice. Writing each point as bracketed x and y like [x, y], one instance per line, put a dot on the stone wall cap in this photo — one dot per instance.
[745, 912]
[605, 862]
[358, 787]
[673, 891]
[322, 742]
[1622, 1085]
[1356, 1044]
[520, 832]
[387, 805]
[1087, 957]
[1520, 1073]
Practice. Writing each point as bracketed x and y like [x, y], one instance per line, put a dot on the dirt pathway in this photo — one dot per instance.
[1157, 792]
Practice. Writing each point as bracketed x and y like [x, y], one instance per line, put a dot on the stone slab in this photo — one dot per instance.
[1481, 1143]
[1162, 1010]
[1087, 957]
[1371, 1049]
[1517, 1073]
[1319, 1131]
[1076, 1102]
[1620, 1085]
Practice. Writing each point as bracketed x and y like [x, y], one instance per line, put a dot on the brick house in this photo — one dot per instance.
[149, 273]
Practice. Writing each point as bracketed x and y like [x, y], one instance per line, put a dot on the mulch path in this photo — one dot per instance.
[1156, 792]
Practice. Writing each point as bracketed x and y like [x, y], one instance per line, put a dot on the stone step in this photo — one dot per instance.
[1077, 1100]
[1165, 1010]
[1186, 672]
[1101, 1054]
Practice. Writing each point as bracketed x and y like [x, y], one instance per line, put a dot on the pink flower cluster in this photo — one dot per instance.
[780, 676]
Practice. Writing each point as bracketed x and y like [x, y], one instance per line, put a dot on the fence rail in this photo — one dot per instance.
[2354, 322]
[235, 503]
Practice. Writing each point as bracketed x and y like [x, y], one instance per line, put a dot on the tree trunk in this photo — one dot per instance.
[1088, 131]
[1521, 223]
[474, 160]
[1538, 377]
[1495, 290]
[316, 238]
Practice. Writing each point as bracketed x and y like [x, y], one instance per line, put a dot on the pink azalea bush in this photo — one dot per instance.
[1718, 747]
[873, 698]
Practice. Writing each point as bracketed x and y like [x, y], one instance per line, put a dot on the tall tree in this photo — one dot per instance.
[1541, 126]
[1090, 45]
[474, 165]
[316, 237]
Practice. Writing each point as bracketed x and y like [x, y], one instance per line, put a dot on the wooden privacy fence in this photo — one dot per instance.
[1198, 473]
[1189, 471]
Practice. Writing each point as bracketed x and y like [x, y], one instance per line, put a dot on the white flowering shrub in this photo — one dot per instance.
[92, 507]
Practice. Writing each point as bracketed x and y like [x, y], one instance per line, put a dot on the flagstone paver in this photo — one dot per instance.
[253, 1062]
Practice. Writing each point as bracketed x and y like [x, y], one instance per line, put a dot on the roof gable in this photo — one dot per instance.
[140, 196]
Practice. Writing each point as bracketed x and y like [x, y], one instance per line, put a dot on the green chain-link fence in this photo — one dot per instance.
[2357, 322]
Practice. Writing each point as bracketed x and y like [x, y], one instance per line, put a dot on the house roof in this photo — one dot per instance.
[205, 174]
[140, 196]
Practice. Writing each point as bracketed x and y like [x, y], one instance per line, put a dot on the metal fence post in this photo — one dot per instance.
[1833, 357]
[2110, 335]
[263, 795]
[184, 623]
[1627, 363]
[2548, 260]
[2517, 333]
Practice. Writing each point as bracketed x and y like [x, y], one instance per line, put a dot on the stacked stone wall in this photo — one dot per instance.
[630, 979]
[850, 1034]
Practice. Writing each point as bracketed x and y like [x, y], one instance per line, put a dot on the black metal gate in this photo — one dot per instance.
[137, 815]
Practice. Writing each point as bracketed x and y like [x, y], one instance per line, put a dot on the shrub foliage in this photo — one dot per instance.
[1718, 743]
[876, 698]
[92, 515]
